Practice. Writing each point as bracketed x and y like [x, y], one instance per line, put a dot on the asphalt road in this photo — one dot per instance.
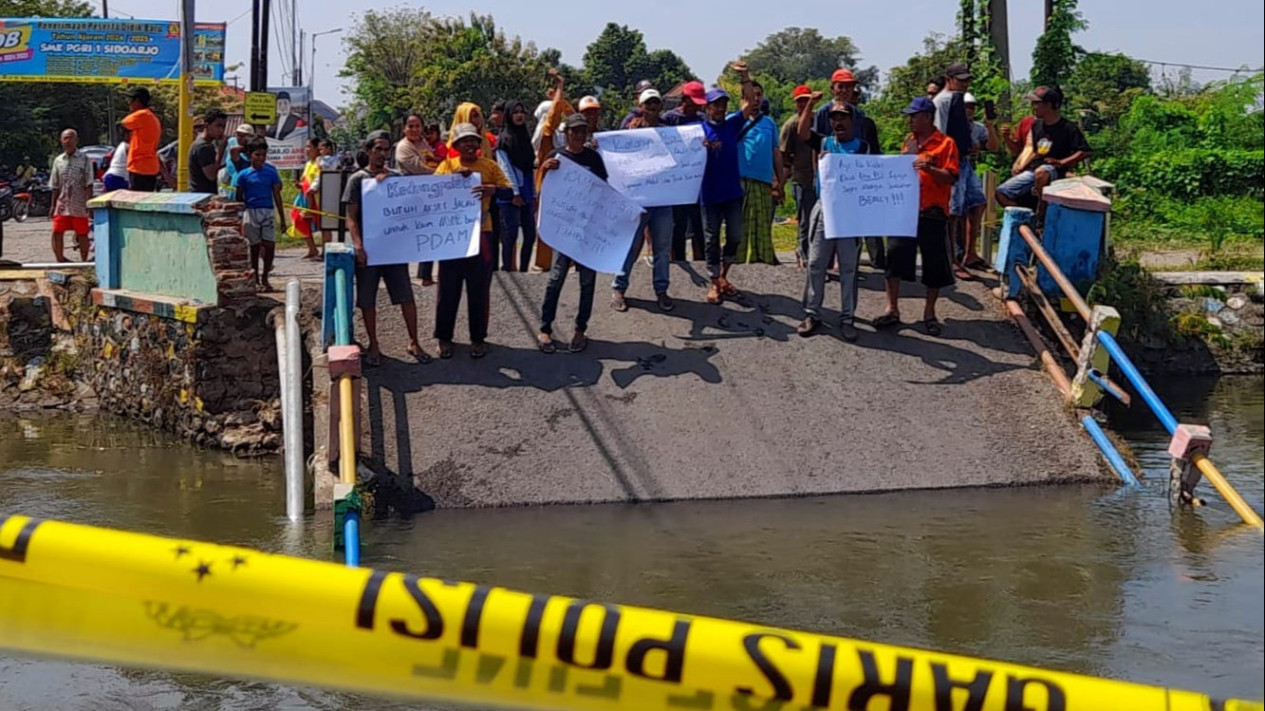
[718, 401]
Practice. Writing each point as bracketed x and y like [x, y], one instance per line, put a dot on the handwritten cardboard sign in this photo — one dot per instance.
[586, 219]
[655, 166]
[420, 218]
[869, 196]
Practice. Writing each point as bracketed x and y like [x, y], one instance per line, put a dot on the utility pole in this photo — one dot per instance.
[298, 68]
[254, 46]
[109, 88]
[999, 33]
[184, 128]
[296, 77]
[1049, 10]
[265, 14]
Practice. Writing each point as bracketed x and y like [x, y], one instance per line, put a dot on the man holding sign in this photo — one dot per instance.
[577, 151]
[399, 288]
[937, 165]
[822, 249]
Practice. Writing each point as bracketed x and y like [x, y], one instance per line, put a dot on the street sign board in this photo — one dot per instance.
[260, 108]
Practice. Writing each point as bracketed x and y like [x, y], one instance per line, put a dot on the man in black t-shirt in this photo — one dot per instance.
[206, 155]
[1055, 145]
[578, 151]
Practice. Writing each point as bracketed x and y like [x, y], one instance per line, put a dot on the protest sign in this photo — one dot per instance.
[420, 218]
[869, 196]
[586, 219]
[655, 166]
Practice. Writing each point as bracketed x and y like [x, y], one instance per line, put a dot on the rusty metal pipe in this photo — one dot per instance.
[1047, 359]
[1048, 262]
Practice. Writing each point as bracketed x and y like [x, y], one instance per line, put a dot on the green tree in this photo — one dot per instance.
[1056, 56]
[405, 59]
[1107, 84]
[795, 55]
[617, 60]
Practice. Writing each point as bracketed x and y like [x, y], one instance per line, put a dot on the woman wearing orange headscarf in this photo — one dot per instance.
[469, 112]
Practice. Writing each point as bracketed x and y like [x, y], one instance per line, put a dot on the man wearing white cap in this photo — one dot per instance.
[655, 220]
[983, 138]
[237, 160]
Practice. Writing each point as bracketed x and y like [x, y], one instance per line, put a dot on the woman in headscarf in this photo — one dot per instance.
[469, 112]
[517, 158]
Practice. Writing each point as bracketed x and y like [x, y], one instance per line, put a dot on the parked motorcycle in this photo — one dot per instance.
[6, 201]
[35, 198]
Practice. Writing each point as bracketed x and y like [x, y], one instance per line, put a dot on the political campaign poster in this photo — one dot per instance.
[655, 166]
[586, 219]
[101, 50]
[420, 218]
[288, 136]
[867, 195]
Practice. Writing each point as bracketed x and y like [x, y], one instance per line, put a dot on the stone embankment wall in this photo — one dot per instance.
[207, 372]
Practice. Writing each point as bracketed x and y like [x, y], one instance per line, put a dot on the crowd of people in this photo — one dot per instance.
[751, 162]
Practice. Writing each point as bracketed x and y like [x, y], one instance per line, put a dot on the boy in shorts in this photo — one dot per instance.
[259, 187]
[399, 288]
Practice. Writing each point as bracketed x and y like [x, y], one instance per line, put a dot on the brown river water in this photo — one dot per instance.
[1093, 579]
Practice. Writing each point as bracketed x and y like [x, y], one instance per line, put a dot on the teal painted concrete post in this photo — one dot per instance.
[338, 257]
[1011, 249]
[106, 242]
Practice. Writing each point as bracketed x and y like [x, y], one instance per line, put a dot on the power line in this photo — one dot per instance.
[277, 34]
[1233, 70]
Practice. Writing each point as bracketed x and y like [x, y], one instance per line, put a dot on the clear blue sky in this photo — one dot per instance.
[707, 33]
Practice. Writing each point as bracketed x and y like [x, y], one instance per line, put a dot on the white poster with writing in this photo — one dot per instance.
[869, 196]
[420, 218]
[655, 166]
[585, 218]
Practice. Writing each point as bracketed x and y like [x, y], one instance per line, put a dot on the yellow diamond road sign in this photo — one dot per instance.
[261, 108]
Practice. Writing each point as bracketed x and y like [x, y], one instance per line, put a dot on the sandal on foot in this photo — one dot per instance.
[578, 343]
[422, 356]
[961, 274]
[932, 326]
[545, 343]
[445, 349]
[478, 350]
[887, 319]
[727, 288]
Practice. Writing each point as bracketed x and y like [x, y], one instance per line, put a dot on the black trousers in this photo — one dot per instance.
[687, 220]
[474, 275]
[143, 183]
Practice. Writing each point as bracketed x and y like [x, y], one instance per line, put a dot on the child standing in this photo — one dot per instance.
[259, 187]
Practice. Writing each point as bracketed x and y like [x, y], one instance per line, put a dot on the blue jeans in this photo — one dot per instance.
[805, 199]
[557, 277]
[659, 220]
[730, 214]
[512, 218]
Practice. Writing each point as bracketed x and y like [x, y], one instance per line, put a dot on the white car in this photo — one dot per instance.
[97, 155]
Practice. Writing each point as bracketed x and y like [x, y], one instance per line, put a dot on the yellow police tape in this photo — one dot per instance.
[127, 598]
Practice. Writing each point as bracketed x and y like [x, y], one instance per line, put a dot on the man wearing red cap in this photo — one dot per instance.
[798, 155]
[687, 219]
[843, 85]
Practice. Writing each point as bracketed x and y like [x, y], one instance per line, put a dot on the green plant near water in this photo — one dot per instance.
[1140, 299]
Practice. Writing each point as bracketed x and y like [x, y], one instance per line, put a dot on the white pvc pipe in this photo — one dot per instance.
[284, 380]
[292, 411]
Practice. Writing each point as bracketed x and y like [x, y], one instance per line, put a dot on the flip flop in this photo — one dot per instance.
[933, 327]
[578, 344]
[963, 275]
[887, 319]
[977, 262]
[422, 356]
[546, 345]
